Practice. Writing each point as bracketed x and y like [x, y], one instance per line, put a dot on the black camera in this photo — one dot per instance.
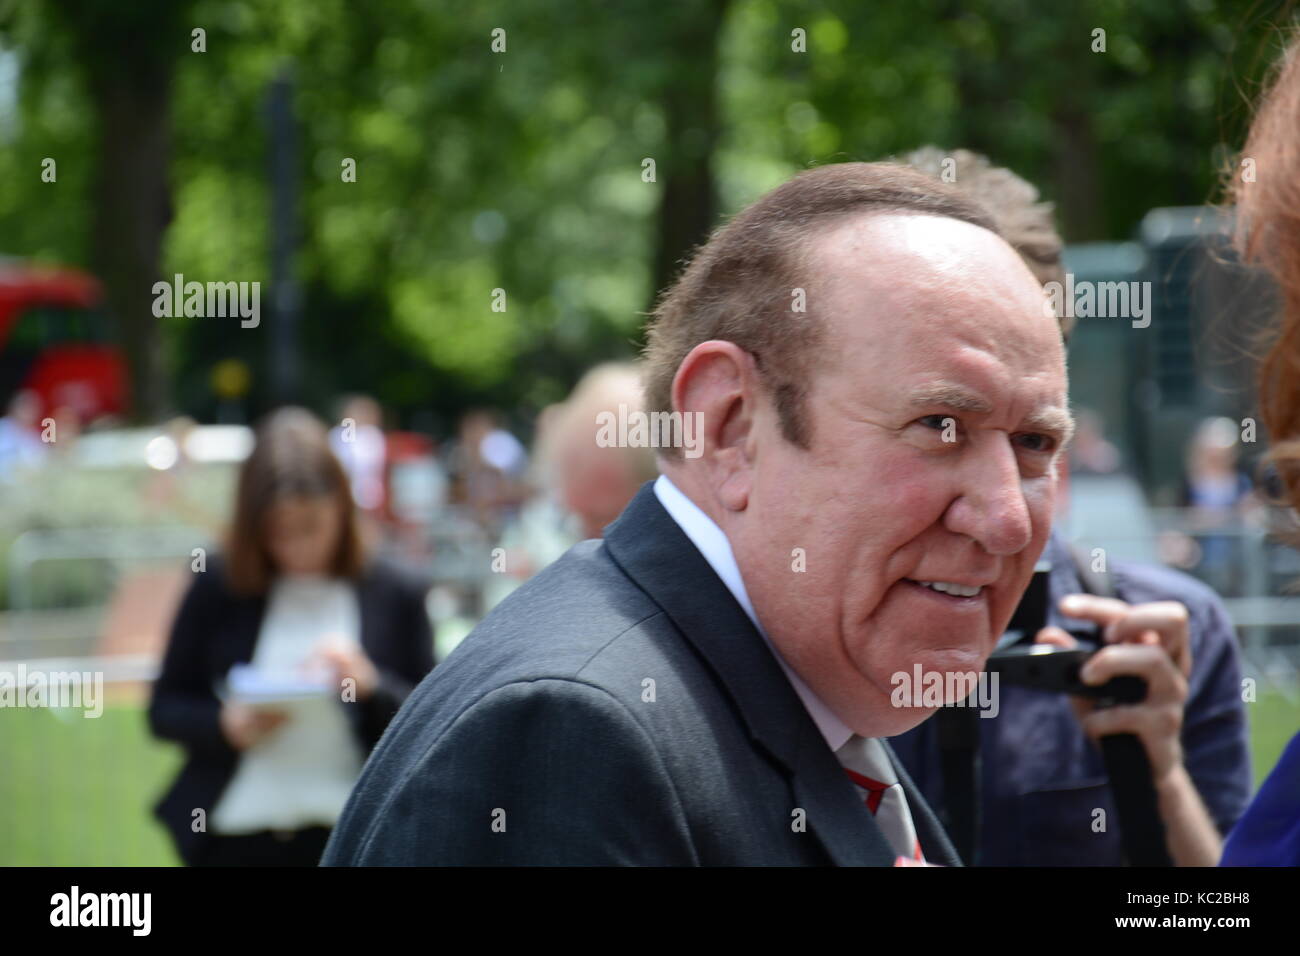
[1020, 662]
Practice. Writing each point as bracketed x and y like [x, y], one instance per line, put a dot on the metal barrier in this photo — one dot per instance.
[113, 546]
[1250, 565]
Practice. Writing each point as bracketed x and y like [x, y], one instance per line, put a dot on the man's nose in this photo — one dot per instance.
[991, 508]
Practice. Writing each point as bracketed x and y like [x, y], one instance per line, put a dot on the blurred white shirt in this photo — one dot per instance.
[302, 773]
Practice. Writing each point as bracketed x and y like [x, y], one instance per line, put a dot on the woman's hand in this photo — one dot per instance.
[346, 660]
[245, 726]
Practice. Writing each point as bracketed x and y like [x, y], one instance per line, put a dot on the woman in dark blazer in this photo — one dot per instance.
[295, 598]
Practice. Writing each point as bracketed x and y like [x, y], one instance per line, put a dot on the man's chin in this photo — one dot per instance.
[945, 660]
[926, 681]
[902, 719]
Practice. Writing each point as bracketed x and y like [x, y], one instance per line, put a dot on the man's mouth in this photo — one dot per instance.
[949, 588]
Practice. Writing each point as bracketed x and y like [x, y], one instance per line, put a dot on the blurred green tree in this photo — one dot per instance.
[502, 146]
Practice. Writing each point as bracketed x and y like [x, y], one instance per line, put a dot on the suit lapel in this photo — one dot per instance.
[655, 553]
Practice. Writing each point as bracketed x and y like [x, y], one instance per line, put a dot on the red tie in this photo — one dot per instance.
[875, 789]
[866, 763]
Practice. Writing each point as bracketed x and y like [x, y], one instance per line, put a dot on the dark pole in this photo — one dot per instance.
[285, 303]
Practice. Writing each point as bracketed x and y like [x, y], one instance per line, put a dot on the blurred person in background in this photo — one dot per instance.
[595, 483]
[20, 441]
[1215, 484]
[1040, 776]
[296, 598]
[358, 443]
[1268, 234]
[582, 486]
[68, 426]
[1091, 453]
[1218, 495]
[491, 468]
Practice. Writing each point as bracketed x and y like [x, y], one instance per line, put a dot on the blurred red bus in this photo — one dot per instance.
[56, 341]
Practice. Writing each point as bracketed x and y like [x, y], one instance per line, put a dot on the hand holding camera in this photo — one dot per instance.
[1146, 642]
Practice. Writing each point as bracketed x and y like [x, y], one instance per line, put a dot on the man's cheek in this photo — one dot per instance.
[902, 492]
[1041, 495]
[898, 468]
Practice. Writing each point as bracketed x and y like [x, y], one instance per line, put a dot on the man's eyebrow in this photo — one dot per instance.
[962, 399]
[952, 396]
[1052, 419]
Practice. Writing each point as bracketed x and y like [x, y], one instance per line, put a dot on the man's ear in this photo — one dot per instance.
[717, 385]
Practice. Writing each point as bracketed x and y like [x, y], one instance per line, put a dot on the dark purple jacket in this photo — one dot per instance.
[1041, 777]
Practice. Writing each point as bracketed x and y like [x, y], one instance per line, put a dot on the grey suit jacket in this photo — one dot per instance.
[619, 708]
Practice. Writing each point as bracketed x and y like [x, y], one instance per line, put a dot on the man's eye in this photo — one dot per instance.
[942, 428]
[1036, 442]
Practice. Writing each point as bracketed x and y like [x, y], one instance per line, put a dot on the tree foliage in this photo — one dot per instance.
[481, 169]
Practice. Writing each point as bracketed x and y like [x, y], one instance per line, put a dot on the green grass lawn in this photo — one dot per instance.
[1274, 720]
[77, 792]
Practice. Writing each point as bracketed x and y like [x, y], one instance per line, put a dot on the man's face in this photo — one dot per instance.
[936, 418]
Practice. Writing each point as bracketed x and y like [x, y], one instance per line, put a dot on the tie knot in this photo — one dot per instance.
[865, 757]
[867, 764]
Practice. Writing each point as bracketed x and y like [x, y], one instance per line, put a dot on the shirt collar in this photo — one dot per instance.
[712, 543]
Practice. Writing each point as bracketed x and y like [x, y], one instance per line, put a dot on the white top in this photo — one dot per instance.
[302, 773]
[713, 544]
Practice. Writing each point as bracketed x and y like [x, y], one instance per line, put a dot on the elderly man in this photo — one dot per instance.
[1040, 783]
[883, 402]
